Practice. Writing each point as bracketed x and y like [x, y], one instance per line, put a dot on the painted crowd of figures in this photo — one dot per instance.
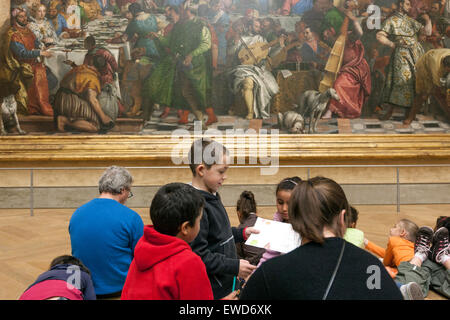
[211, 57]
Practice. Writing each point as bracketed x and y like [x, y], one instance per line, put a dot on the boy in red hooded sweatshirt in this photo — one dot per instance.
[164, 266]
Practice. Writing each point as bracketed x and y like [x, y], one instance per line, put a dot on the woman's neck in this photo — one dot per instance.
[328, 233]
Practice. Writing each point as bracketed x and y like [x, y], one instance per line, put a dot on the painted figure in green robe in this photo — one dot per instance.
[331, 24]
[182, 77]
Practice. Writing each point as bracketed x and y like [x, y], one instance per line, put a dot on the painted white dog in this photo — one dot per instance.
[9, 115]
[291, 121]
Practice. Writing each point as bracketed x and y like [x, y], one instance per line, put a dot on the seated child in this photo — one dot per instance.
[164, 266]
[352, 234]
[283, 194]
[430, 266]
[400, 245]
[246, 211]
[66, 279]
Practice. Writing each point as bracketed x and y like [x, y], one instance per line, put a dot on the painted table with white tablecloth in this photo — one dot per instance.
[73, 49]
[60, 54]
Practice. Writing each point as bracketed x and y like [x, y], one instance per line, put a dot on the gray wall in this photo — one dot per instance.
[358, 194]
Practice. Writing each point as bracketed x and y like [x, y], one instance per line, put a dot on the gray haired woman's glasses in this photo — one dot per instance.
[130, 194]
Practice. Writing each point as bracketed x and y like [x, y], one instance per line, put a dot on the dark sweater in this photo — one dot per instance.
[304, 274]
[215, 244]
[250, 253]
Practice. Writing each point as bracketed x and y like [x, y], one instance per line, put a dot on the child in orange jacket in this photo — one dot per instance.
[400, 246]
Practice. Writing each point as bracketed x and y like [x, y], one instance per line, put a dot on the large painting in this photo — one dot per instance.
[150, 67]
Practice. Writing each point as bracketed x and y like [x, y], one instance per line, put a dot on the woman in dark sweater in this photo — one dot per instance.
[325, 266]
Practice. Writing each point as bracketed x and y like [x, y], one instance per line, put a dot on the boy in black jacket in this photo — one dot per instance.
[215, 242]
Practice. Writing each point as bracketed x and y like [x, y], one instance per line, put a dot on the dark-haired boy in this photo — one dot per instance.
[215, 242]
[164, 266]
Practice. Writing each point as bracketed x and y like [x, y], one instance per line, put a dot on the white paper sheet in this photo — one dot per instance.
[286, 73]
[279, 235]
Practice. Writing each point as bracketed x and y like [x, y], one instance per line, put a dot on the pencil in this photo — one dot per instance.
[234, 283]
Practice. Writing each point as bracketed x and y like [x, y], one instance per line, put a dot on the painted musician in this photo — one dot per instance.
[252, 83]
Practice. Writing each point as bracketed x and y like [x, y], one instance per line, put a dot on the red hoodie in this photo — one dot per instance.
[165, 268]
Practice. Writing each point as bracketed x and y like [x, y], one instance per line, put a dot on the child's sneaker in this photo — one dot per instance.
[411, 291]
[423, 242]
[440, 245]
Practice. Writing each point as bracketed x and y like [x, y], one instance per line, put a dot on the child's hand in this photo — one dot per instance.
[232, 296]
[249, 231]
[365, 242]
[245, 268]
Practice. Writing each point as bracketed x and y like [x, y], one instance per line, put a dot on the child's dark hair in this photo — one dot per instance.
[174, 204]
[67, 259]
[288, 184]
[246, 204]
[352, 216]
[205, 151]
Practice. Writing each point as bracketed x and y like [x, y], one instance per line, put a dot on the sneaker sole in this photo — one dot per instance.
[412, 291]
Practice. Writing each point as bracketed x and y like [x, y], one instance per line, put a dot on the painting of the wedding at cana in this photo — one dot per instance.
[149, 67]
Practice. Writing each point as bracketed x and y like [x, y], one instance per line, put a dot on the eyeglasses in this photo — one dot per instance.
[130, 194]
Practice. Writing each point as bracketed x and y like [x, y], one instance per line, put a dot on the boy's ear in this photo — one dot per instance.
[184, 228]
[403, 233]
[200, 170]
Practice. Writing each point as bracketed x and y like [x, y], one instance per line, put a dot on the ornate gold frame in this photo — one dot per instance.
[95, 150]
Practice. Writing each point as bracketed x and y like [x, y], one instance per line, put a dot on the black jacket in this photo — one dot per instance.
[305, 273]
[215, 244]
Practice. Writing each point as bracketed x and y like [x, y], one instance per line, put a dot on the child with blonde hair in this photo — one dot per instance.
[430, 266]
[400, 246]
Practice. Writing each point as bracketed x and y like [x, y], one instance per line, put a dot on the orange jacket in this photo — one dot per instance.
[397, 251]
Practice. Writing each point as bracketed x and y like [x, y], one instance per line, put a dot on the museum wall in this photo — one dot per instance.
[70, 187]
[31, 184]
